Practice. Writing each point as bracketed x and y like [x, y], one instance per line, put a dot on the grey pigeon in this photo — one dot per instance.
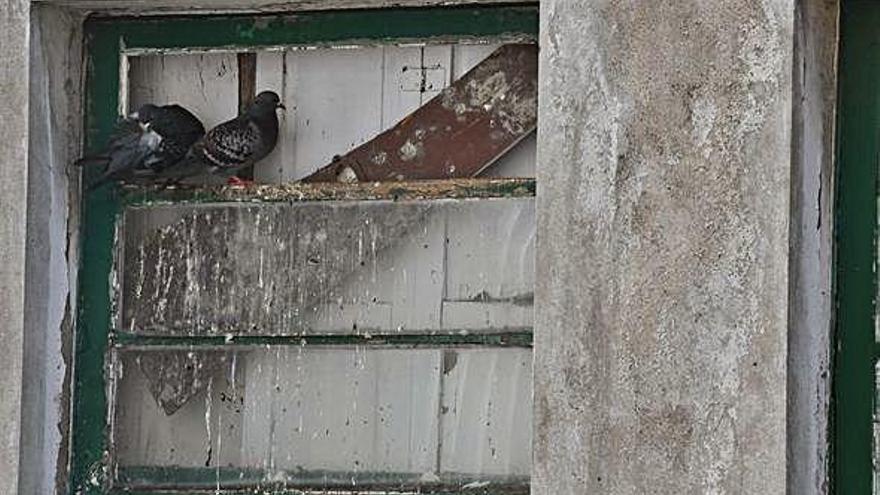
[148, 141]
[234, 144]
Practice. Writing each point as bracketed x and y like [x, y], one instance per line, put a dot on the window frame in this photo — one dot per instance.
[109, 40]
[855, 350]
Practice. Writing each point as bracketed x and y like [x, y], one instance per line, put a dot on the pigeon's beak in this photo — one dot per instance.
[281, 106]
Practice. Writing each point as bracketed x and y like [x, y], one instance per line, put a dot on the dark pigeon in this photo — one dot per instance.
[234, 144]
[147, 142]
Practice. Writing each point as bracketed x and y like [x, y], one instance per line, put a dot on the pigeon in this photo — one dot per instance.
[234, 144]
[146, 142]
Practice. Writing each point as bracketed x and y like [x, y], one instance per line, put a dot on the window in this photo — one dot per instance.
[367, 336]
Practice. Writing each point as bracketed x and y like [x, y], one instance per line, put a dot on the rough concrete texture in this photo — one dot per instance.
[814, 96]
[54, 141]
[13, 202]
[664, 154]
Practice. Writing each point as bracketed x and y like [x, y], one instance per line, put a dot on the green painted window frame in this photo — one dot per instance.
[108, 40]
[855, 350]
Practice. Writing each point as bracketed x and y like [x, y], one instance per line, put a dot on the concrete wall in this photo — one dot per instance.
[664, 153]
[51, 260]
[666, 146]
[13, 203]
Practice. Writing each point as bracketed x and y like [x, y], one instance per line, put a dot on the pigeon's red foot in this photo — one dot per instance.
[238, 181]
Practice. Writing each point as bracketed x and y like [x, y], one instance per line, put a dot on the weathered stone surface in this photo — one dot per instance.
[14, 29]
[663, 203]
[54, 141]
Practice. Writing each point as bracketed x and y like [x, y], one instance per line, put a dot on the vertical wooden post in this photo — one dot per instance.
[247, 88]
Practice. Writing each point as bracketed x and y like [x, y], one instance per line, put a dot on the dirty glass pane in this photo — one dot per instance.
[364, 267]
[322, 416]
[343, 96]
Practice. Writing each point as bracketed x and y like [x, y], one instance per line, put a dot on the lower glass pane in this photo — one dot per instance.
[322, 417]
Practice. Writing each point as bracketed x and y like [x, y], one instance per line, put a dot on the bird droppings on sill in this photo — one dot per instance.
[333, 191]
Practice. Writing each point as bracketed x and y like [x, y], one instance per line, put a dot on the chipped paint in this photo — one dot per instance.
[380, 158]
[409, 151]
[346, 176]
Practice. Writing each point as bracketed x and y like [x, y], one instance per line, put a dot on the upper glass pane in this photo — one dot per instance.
[336, 97]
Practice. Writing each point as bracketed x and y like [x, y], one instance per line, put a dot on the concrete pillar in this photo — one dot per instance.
[13, 201]
[663, 214]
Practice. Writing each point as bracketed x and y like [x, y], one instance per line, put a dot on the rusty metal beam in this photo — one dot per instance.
[459, 133]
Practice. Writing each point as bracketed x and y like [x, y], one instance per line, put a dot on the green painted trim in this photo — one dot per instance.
[319, 28]
[93, 321]
[518, 338]
[858, 136]
[231, 478]
[106, 40]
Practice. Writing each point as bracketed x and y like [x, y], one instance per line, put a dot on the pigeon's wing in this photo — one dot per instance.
[230, 145]
[129, 154]
[179, 129]
[179, 121]
[131, 144]
[222, 151]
